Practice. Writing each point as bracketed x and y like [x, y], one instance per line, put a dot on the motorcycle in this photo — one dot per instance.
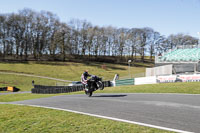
[93, 84]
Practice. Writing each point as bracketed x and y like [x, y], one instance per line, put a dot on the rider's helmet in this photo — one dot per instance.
[86, 73]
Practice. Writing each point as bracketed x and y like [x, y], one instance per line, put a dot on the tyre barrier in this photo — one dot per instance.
[107, 83]
[3, 89]
[41, 89]
[9, 88]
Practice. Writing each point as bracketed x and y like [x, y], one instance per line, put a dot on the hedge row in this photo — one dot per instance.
[41, 89]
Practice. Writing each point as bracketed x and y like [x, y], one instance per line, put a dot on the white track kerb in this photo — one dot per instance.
[112, 118]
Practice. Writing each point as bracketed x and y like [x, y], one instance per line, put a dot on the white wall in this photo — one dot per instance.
[161, 70]
[145, 80]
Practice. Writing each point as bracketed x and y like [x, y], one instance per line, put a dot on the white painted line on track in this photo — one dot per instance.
[111, 118]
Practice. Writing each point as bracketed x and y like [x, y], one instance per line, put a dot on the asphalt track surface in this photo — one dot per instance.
[174, 111]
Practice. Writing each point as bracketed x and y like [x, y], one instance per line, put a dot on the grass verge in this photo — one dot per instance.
[70, 70]
[28, 96]
[24, 83]
[186, 87]
[20, 97]
[19, 119]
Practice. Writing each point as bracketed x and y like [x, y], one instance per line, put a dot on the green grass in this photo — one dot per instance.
[70, 70]
[62, 70]
[21, 97]
[28, 96]
[4, 91]
[24, 83]
[187, 87]
[18, 119]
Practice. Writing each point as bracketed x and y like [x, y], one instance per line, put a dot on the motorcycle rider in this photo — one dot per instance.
[84, 80]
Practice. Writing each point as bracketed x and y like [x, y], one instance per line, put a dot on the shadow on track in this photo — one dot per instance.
[110, 96]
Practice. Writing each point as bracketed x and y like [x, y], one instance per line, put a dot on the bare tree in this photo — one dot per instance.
[181, 39]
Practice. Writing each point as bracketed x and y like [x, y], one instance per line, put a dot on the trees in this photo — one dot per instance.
[143, 41]
[63, 40]
[109, 32]
[35, 34]
[181, 39]
[3, 31]
[154, 40]
[133, 39]
[121, 40]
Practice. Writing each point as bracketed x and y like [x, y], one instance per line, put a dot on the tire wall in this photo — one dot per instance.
[41, 89]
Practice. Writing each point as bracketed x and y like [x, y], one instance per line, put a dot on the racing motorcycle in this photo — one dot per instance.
[93, 84]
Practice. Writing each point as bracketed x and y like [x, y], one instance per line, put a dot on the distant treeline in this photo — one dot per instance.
[35, 34]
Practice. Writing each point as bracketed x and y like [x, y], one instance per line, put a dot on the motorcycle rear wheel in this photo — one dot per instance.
[90, 94]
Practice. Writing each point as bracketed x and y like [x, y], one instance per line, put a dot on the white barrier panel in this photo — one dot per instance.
[166, 79]
[178, 78]
[113, 83]
[145, 80]
[189, 78]
[161, 70]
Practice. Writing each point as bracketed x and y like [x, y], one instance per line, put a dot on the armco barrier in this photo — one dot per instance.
[41, 89]
[124, 82]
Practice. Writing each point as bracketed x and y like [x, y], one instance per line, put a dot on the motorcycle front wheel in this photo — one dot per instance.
[100, 85]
